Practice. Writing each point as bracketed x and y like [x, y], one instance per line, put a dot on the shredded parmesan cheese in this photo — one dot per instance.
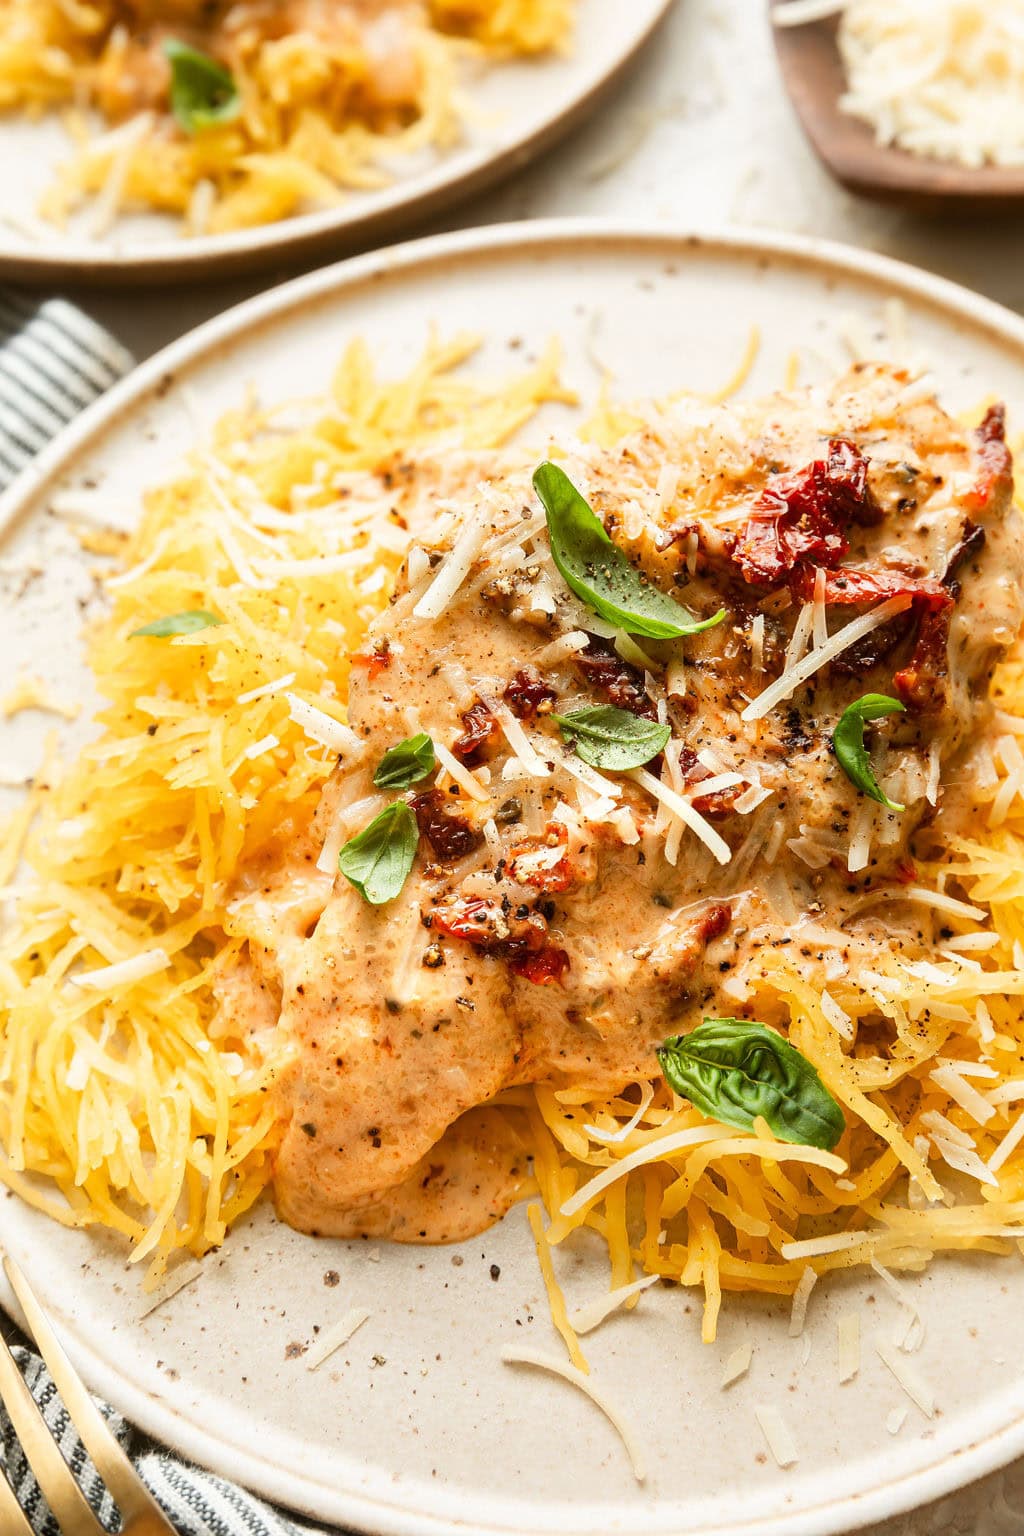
[909, 1378]
[451, 766]
[838, 1017]
[660, 1150]
[334, 1337]
[793, 676]
[123, 973]
[587, 1317]
[913, 1334]
[757, 643]
[680, 807]
[737, 1364]
[265, 690]
[1007, 1146]
[848, 1345]
[939, 78]
[323, 728]
[777, 1435]
[454, 569]
[801, 1296]
[184, 1274]
[513, 1356]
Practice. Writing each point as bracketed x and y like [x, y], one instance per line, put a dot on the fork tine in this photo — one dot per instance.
[129, 1492]
[13, 1519]
[62, 1493]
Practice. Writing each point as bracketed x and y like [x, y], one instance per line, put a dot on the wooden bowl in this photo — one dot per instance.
[813, 75]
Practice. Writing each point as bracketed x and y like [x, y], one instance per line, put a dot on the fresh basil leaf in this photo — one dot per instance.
[852, 754]
[407, 763]
[737, 1069]
[378, 859]
[606, 737]
[598, 571]
[186, 623]
[203, 92]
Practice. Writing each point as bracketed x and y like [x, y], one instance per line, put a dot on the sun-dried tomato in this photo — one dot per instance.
[621, 683]
[970, 543]
[489, 924]
[921, 684]
[376, 661]
[804, 516]
[450, 836]
[530, 860]
[517, 935]
[848, 587]
[720, 804]
[995, 461]
[714, 806]
[528, 695]
[545, 968]
[872, 650]
[713, 923]
[478, 726]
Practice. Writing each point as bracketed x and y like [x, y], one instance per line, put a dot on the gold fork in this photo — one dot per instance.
[140, 1512]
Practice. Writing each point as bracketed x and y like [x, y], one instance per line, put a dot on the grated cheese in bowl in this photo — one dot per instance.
[940, 78]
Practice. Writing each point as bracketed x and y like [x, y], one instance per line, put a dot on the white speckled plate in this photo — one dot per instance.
[517, 110]
[415, 1427]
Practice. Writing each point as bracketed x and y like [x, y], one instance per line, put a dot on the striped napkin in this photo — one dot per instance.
[54, 361]
[196, 1503]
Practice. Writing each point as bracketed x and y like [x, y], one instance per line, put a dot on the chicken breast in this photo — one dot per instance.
[560, 921]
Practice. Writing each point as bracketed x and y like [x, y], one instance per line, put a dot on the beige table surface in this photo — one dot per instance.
[701, 133]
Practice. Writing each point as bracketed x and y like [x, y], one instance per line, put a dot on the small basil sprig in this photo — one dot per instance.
[186, 623]
[852, 754]
[737, 1069]
[378, 859]
[406, 763]
[203, 92]
[598, 572]
[606, 737]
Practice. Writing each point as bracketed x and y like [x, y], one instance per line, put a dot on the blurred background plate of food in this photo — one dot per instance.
[142, 138]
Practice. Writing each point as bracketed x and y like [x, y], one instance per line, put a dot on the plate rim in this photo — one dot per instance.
[342, 226]
[995, 1447]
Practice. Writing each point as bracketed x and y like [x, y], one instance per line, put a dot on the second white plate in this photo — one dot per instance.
[518, 109]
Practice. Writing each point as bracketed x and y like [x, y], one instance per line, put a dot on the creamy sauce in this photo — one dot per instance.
[545, 933]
